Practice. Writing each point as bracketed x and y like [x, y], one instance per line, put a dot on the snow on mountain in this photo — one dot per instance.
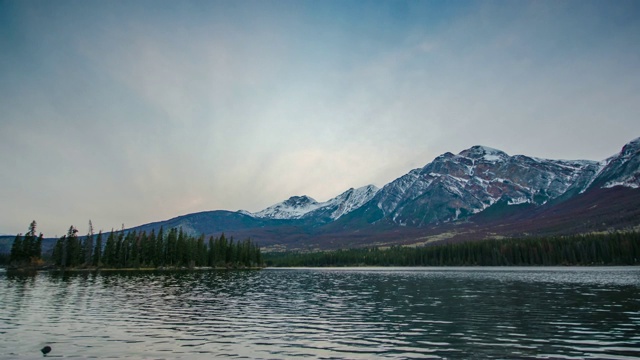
[344, 203]
[454, 186]
[297, 207]
[293, 208]
[622, 169]
[484, 153]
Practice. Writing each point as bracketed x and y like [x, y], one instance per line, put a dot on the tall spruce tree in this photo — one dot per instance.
[73, 246]
[38, 249]
[88, 245]
[16, 250]
[30, 243]
[97, 252]
[109, 252]
[60, 252]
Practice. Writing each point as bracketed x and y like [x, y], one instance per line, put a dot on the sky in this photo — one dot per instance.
[129, 112]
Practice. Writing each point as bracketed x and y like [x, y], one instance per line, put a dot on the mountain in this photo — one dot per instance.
[454, 187]
[304, 207]
[293, 208]
[478, 193]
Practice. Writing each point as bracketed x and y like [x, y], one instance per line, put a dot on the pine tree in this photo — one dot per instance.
[88, 245]
[97, 253]
[38, 249]
[109, 253]
[73, 248]
[59, 252]
[210, 252]
[16, 250]
[160, 248]
[172, 240]
[30, 243]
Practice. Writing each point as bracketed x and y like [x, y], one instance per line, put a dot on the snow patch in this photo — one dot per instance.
[601, 165]
[518, 201]
[293, 208]
[297, 207]
[627, 183]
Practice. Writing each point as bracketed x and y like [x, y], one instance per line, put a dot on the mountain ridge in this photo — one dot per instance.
[477, 177]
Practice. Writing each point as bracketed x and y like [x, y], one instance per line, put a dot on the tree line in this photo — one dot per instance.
[132, 249]
[619, 248]
[138, 249]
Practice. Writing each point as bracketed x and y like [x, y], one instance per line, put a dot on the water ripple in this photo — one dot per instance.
[324, 313]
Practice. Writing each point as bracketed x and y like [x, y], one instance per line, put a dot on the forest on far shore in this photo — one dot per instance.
[618, 248]
[175, 249]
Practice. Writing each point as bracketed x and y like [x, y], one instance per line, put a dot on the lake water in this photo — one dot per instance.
[398, 313]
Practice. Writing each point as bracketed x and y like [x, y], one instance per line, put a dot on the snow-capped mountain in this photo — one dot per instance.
[298, 207]
[294, 207]
[453, 187]
[343, 204]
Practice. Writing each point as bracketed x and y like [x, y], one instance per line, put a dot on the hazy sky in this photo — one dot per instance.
[138, 111]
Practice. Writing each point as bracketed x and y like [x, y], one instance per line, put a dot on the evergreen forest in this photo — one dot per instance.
[131, 249]
[176, 249]
[620, 248]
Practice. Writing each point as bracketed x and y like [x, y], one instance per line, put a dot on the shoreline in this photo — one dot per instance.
[54, 269]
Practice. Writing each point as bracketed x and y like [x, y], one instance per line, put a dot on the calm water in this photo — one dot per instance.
[463, 313]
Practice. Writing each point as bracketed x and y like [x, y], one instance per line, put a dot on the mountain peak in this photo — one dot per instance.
[299, 201]
[478, 152]
[298, 207]
[293, 208]
[631, 148]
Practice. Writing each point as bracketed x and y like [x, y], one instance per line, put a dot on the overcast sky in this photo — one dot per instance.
[128, 112]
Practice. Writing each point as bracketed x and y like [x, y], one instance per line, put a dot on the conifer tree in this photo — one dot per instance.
[160, 249]
[60, 252]
[73, 248]
[109, 253]
[151, 249]
[16, 250]
[29, 243]
[210, 252]
[88, 245]
[38, 249]
[172, 240]
[97, 252]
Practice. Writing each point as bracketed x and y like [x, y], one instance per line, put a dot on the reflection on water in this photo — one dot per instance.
[462, 313]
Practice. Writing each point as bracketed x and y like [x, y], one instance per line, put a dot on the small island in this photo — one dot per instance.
[174, 249]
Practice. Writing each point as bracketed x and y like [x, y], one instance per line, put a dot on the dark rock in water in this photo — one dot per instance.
[45, 350]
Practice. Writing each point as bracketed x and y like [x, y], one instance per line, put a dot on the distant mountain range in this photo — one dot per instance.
[479, 193]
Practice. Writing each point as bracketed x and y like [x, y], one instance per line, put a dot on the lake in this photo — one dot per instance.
[357, 313]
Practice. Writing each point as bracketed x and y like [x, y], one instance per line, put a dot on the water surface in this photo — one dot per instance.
[398, 313]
